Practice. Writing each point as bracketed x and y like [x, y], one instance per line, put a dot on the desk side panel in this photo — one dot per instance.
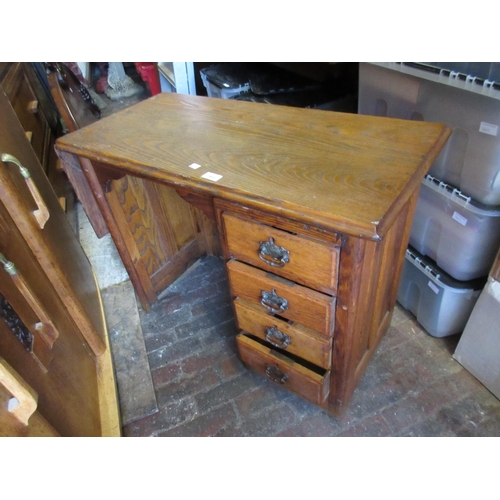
[369, 278]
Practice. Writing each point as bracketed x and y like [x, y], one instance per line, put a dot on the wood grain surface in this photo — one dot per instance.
[337, 170]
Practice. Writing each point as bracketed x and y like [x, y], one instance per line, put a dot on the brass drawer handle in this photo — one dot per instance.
[275, 374]
[273, 302]
[277, 338]
[42, 214]
[273, 254]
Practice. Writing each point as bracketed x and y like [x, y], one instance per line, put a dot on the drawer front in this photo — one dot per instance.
[292, 338]
[273, 294]
[311, 384]
[307, 261]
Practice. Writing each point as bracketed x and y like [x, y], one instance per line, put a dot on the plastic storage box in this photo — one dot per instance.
[471, 158]
[441, 304]
[225, 80]
[461, 235]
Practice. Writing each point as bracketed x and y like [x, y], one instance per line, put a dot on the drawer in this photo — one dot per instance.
[299, 258]
[312, 309]
[291, 337]
[307, 381]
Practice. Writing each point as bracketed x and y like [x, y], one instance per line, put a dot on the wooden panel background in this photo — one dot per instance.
[68, 391]
[166, 233]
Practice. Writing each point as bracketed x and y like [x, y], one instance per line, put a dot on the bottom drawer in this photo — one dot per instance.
[309, 382]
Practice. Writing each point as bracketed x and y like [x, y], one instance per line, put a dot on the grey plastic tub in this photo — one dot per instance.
[461, 235]
[441, 304]
[470, 159]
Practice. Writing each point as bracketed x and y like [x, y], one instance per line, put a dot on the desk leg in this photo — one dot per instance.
[133, 263]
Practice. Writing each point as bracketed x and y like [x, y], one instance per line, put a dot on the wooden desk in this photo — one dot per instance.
[312, 207]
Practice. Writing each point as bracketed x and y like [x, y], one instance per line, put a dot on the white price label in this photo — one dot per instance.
[433, 287]
[194, 166]
[212, 177]
[459, 218]
[488, 128]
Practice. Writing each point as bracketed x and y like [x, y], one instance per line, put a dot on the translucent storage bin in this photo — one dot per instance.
[225, 80]
[441, 304]
[470, 159]
[459, 234]
[388, 92]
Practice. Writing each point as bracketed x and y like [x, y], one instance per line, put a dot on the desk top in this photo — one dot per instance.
[339, 171]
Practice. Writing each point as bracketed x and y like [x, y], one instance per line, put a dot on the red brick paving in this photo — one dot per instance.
[412, 386]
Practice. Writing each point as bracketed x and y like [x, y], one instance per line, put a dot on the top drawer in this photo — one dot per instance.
[301, 259]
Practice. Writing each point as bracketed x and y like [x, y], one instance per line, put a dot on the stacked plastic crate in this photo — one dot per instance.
[456, 230]
[270, 84]
[225, 80]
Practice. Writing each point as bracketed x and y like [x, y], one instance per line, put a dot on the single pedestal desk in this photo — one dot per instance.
[311, 210]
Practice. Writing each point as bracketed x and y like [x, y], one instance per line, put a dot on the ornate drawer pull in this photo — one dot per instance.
[275, 374]
[273, 302]
[277, 338]
[42, 214]
[273, 254]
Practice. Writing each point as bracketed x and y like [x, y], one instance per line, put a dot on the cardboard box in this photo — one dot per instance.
[478, 350]
[495, 268]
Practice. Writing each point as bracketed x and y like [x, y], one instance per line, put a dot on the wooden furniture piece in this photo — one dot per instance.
[76, 111]
[19, 415]
[313, 208]
[54, 349]
[39, 119]
[158, 234]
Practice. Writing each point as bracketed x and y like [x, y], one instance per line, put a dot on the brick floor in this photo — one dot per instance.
[412, 386]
